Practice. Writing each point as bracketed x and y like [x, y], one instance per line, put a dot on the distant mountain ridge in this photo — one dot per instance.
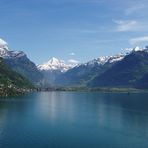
[81, 74]
[122, 70]
[52, 69]
[132, 71]
[7, 54]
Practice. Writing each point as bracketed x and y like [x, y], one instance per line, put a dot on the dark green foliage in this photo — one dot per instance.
[9, 77]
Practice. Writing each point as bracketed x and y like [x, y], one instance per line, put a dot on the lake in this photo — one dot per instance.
[74, 120]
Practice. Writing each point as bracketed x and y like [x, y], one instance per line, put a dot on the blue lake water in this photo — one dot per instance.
[74, 120]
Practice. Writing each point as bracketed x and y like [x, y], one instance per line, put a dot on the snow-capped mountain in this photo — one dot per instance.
[105, 59]
[19, 62]
[131, 71]
[52, 69]
[5, 52]
[54, 64]
[57, 72]
[83, 73]
[116, 58]
[111, 59]
[137, 48]
[99, 61]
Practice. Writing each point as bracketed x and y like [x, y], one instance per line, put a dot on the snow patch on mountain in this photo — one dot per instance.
[99, 61]
[138, 49]
[5, 52]
[116, 58]
[54, 64]
[105, 59]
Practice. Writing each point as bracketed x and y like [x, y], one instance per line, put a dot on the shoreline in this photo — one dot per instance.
[23, 91]
[86, 89]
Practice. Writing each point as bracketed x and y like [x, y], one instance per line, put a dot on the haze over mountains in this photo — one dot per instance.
[52, 69]
[121, 70]
[83, 73]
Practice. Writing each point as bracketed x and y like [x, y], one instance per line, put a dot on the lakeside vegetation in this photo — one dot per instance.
[6, 91]
[95, 89]
[11, 82]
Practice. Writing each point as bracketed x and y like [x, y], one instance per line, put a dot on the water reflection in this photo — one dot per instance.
[87, 119]
[56, 106]
[117, 112]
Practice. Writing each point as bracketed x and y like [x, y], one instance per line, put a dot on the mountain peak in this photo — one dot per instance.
[5, 52]
[138, 49]
[54, 61]
[105, 59]
[54, 64]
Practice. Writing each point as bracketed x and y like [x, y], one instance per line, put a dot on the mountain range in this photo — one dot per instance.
[132, 71]
[121, 70]
[81, 74]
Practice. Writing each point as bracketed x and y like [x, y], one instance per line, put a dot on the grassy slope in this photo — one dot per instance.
[11, 81]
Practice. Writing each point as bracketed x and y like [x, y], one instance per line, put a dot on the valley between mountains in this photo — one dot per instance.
[124, 70]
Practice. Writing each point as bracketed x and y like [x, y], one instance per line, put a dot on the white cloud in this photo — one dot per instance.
[3, 43]
[129, 25]
[72, 61]
[138, 40]
[72, 54]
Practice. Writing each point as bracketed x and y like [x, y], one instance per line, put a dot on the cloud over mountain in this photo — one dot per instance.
[3, 43]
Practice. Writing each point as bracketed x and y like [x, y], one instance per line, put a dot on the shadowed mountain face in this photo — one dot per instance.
[132, 71]
[19, 62]
[25, 67]
[79, 75]
[82, 74]
[9, 77]
[124, 70]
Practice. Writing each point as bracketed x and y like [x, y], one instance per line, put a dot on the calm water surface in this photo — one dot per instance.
[74, 120]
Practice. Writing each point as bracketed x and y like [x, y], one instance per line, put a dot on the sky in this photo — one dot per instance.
[74, 30]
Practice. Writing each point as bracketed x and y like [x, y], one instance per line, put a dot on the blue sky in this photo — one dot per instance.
[73, 29]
